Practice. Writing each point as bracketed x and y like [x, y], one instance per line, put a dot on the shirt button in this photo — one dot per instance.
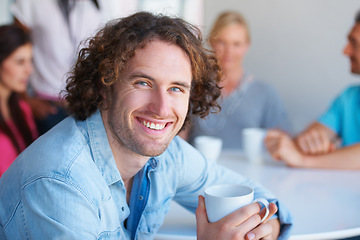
[141, 197]
[122, 208]
[153, 163]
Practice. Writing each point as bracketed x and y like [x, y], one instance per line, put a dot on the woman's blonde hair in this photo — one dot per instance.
[224, 20]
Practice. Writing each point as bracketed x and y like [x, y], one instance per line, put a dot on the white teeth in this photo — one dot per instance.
[153, 125]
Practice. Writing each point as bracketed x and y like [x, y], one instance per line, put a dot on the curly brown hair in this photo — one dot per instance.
[98, 65]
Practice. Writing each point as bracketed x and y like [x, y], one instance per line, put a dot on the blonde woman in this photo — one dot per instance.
[246, 101]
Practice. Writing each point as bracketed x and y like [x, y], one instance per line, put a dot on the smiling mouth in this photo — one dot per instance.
[153, 126]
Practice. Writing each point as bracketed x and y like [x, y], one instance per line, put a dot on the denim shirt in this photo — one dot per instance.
[66, 185]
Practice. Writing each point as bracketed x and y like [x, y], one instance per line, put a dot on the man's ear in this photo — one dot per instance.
[105, 93]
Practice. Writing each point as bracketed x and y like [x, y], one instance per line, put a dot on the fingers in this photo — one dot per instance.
[316, 139]
[272, 210]
[200, 213]
[313, 142]
[248, 218]
[282, 147]
[264, 230]
[274, 141]
[273, 133]
[242, 223]
[239, 216]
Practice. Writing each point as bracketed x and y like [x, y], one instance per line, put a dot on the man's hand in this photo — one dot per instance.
[242, 224]
[316, 139]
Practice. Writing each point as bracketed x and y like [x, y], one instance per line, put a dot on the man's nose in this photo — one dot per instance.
[347, 49]
[160, 103]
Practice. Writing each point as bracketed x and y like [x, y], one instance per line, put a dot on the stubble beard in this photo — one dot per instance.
[129, 141]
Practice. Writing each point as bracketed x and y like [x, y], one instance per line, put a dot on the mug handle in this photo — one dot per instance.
[264, 202]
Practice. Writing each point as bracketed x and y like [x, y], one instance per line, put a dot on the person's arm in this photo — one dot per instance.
[316, 139]
[282, 147]
[346, 158]
[241, 224]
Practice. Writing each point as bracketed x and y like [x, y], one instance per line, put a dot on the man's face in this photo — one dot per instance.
[352, 48]
[150, 101]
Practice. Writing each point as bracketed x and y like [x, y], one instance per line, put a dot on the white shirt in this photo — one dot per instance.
[55, 41]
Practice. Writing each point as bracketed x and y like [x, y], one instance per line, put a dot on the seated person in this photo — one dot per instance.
[17, 126]
[111, 169]
[318, 145]
[246, 101]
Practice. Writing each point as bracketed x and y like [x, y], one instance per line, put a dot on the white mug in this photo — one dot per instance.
[209, 146]
[221, 200]
[253, 144]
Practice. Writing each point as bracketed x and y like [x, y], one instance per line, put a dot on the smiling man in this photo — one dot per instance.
[111, 170]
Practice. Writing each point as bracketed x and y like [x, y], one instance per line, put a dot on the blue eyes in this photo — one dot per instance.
[146, 84]
[142, 83]
[175, 89]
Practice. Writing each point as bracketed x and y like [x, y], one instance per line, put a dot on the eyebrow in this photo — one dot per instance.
[141, 75]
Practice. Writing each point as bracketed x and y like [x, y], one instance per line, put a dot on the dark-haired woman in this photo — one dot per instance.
[17, 127]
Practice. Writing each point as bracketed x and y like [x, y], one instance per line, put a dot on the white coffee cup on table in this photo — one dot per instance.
[221, 200]
[253, 144]
[209, 146]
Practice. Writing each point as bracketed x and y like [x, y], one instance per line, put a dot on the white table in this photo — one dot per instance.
[325, 204]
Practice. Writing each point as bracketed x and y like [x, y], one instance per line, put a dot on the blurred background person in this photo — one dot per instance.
[17, 127]
[57, 27]
[333, 141]
[246, 101]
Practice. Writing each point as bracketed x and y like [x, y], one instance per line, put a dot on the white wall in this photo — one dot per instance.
[297, 46]
[5, 16]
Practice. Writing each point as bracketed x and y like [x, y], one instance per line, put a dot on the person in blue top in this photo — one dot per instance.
[111, 169]
[333, 141]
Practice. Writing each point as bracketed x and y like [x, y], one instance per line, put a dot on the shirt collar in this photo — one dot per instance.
[102, 154]
[100, 147]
